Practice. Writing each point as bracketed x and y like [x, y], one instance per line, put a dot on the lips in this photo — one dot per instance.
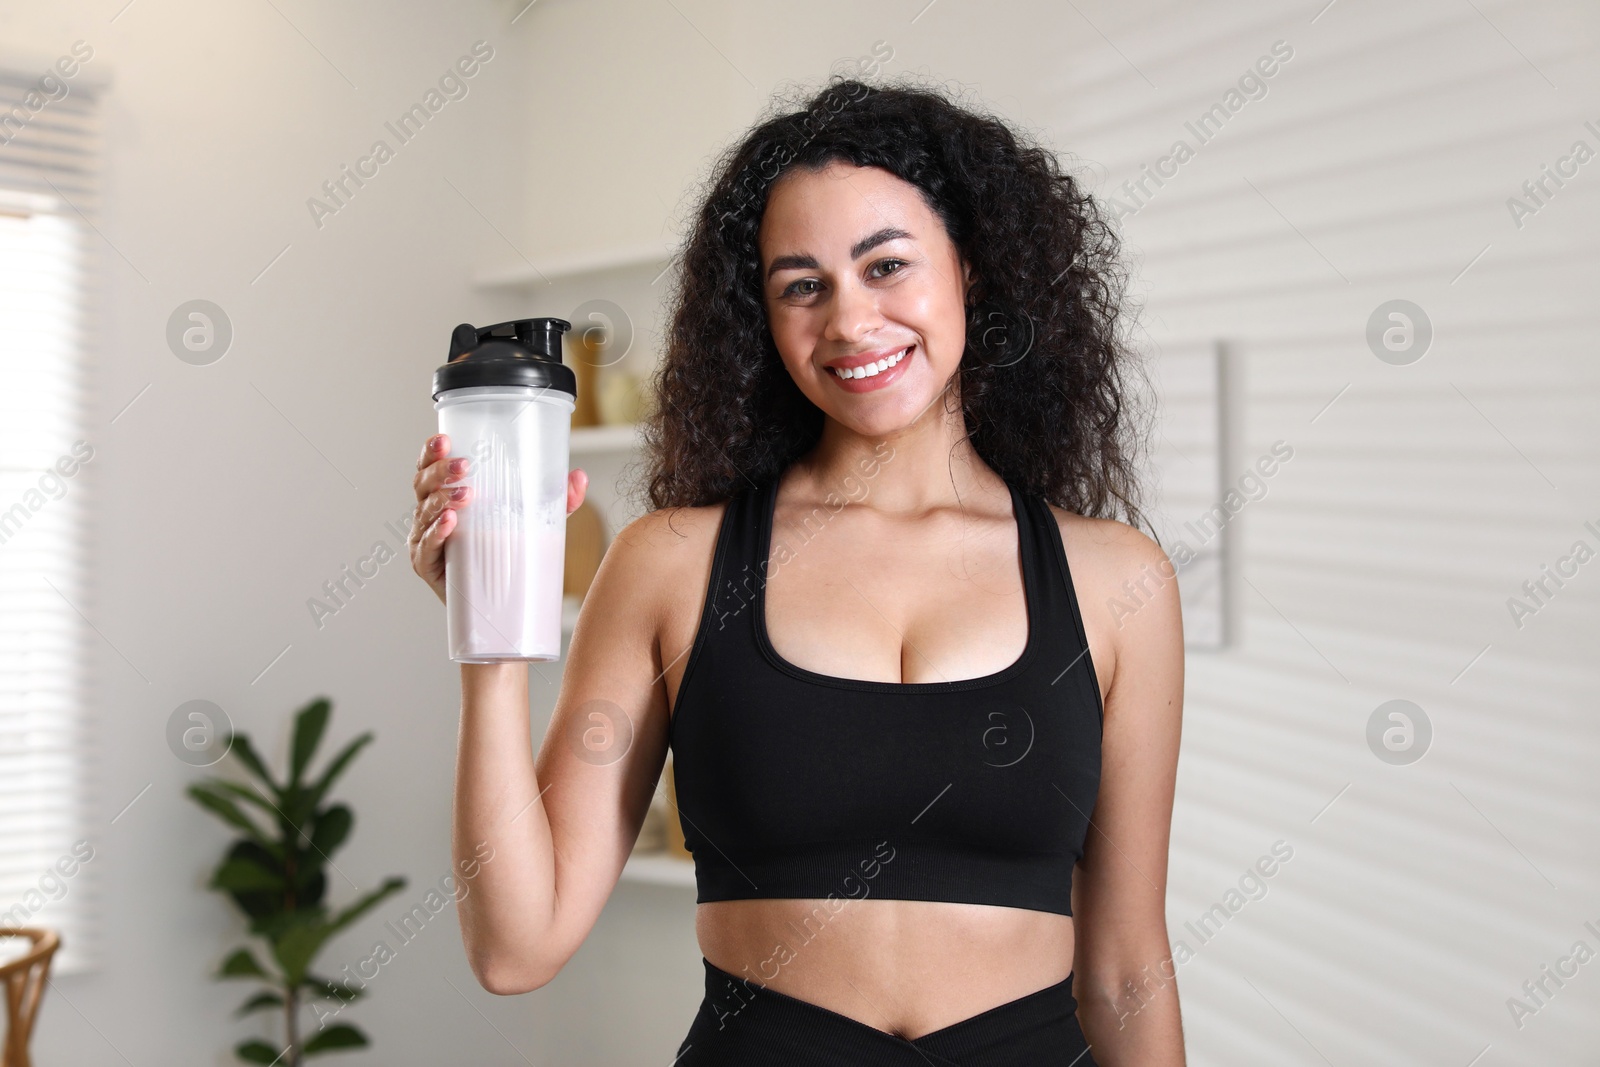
[876, 370]
[868, 364]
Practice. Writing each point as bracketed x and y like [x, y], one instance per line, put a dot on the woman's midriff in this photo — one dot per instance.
[907, 967]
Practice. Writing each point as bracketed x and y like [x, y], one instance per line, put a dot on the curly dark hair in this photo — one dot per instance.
[1042, 379]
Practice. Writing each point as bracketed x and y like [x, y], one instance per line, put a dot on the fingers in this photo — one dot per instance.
[577, 488]
[432, 505]
[434, 533]
[434, 448]
[436, 495]
[435, 515]
[427, 553]
[434, 473]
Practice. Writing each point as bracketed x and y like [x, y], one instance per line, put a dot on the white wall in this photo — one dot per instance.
[1378, 567]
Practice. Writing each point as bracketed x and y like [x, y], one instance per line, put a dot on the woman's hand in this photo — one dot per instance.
[438, 497]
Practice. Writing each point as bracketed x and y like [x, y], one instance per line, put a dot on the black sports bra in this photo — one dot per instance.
[793, 784]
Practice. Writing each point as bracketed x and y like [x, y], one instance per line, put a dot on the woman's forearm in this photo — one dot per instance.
[507, 911]
[1134, 1020]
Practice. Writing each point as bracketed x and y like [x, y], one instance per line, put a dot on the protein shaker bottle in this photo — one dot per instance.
[505, 399]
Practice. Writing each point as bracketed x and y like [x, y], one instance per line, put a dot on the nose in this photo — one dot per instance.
[853, 314]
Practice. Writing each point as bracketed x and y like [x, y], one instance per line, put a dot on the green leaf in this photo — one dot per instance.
[297, 945]
[259, 1001]
[228, 811]
[296, 939]
[242, 964]
[256, 1052]
[337, 767]
[333, 826]
[276, 926]
[246, 874]
[310, 871]
[308, 728]
[335, 1037]
[239, 745]
[334, 989]
[244, 792]
[392, 884]
[297, 811]
[257, 903]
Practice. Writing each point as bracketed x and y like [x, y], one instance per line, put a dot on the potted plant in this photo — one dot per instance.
[276, 878]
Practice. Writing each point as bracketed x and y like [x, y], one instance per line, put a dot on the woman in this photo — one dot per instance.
[925, 770]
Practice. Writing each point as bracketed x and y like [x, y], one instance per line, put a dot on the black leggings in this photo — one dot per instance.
[741, 1022]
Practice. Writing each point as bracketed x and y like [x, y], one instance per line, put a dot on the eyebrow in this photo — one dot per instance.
[857, 250]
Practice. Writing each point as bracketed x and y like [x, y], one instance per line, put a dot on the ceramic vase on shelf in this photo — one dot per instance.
[588, 356]
[621, 397]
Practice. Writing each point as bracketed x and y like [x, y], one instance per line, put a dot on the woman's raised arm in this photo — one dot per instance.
[542, 843]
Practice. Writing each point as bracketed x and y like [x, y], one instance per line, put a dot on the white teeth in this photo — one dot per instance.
[869, 369]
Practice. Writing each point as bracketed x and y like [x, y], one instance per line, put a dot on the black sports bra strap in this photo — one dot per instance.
[734, 575]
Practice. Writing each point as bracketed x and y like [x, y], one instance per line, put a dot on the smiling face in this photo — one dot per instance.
[860, 276]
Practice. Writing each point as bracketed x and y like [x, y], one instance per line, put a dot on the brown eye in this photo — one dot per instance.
[886, 262]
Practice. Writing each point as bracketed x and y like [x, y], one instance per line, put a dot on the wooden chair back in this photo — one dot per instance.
[23, 981]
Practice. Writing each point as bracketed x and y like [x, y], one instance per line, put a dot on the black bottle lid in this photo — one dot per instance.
[520, 352]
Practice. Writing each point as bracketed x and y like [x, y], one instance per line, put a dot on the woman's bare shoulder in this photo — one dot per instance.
[666, 554]
[663, 559]
[668, 535]
[1127, 594]
[1107, 545]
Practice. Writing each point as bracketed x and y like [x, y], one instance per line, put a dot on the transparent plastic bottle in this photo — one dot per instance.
[505, 400]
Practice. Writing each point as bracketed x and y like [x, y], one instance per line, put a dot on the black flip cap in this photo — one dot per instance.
[520, 352]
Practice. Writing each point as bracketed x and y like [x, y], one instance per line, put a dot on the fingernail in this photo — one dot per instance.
[437, 442]
[457, 466]
[458, 492]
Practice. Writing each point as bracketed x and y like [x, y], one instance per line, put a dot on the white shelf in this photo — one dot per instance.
[521, 274]
[604, 440]
[659, 868]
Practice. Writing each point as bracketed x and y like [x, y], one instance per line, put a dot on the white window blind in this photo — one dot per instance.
[50, 850]
[1189, 508]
